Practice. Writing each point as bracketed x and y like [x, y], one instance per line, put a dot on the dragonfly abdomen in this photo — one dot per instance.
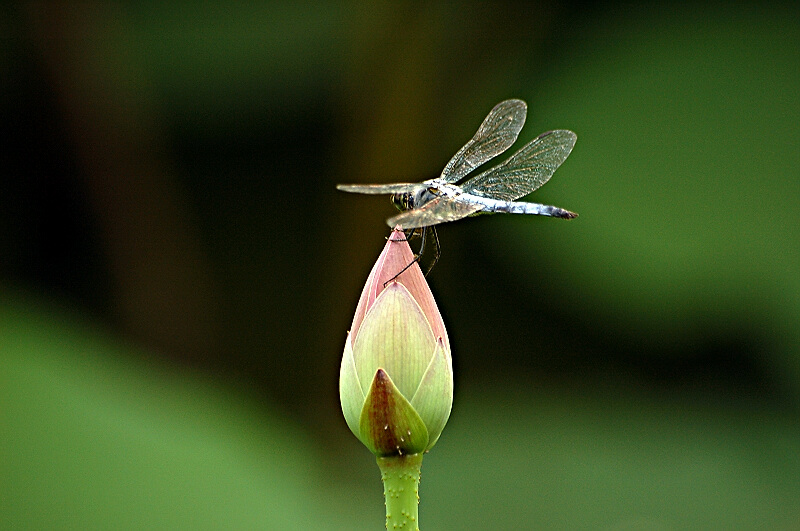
[519, 207]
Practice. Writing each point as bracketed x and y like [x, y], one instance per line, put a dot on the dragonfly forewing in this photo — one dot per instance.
[496, 134]
[526, 170]
[395, 188]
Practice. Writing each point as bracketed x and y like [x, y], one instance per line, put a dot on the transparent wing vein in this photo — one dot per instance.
[496, 134]
[526, 170]
[395, 188]
[439, 210]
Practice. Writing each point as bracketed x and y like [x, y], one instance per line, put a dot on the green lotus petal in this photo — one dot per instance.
[389, 425]
[434, 397]
[396, 336]
[351, 395]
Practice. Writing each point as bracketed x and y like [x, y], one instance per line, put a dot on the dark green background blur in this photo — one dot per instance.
[178, 272]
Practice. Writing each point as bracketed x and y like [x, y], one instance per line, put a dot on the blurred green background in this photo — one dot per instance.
[178, 272]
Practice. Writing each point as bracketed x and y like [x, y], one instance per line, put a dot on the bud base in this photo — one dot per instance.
[400, 475]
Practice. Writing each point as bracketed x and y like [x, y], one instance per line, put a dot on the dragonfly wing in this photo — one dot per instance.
[396, 188]
[526, 170]
[439, 210]
[496, 134]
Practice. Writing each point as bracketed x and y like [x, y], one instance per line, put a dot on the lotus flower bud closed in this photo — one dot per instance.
[396, 379]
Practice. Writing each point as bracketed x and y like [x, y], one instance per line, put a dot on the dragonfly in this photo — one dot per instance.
[426, 204]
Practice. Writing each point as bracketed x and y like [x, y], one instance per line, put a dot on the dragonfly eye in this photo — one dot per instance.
[401, 201]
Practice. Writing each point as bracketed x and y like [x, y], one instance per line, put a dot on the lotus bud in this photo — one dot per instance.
[396, 378]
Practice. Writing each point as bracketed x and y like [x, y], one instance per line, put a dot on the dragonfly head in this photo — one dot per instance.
[415, 199]
[402, 201]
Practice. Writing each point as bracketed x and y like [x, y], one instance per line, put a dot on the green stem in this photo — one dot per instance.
[400, 475]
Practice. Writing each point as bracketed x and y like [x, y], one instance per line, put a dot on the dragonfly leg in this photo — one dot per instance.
[416, 255]
[437, 249]
[424, 235]
[406, 237]
[423, 232]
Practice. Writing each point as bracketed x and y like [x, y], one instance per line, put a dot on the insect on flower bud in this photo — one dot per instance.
[396, 379]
